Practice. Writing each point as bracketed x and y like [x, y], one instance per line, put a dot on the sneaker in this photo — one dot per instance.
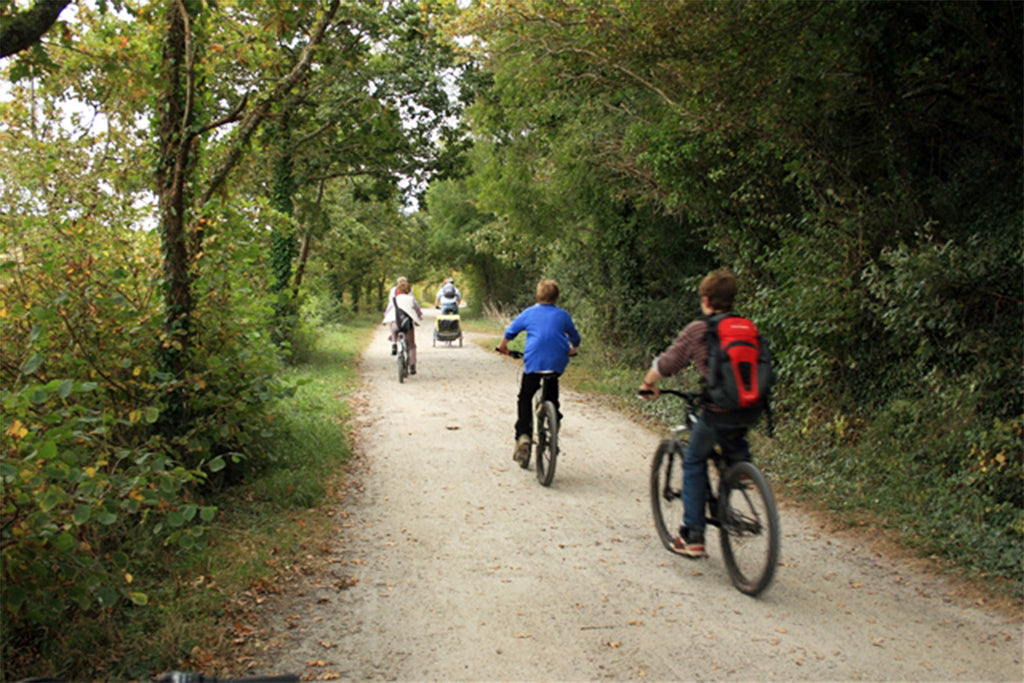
[689, 545]
[522, 452]
[394, 349]
[412, 369]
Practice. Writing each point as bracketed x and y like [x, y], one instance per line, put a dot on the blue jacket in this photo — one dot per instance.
[550, 333]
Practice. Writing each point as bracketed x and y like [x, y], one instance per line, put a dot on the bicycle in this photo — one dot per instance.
[545, 430]
[402, 358]
[739, 502]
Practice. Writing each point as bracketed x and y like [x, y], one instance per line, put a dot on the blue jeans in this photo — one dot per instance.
[449, 309]
[703, 437]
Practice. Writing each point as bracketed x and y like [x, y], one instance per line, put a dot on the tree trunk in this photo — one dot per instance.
[300, 268]
[282, 198]
[175, 118]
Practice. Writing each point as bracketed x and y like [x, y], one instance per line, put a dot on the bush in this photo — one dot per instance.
[948, 480]
[99, 486]
[80, 482]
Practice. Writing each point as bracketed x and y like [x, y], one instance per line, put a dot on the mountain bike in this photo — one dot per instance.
[402, 358]
[545, 430]
[739, 502]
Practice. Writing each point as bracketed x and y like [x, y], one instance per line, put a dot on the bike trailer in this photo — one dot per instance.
[447, 329]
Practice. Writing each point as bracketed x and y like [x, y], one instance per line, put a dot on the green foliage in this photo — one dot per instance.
[949, 307]
[947, 481]
[72, 496]
[193, 591]
[857, 164]
[94, 497]
[82, 474]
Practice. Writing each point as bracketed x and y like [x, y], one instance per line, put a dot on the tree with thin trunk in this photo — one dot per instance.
[178, 130]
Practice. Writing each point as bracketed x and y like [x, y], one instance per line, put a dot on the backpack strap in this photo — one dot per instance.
[710, 342]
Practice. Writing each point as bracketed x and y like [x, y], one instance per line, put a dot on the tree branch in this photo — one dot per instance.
[26, 28]
[234, 115]
[251, 122]
[618, 67]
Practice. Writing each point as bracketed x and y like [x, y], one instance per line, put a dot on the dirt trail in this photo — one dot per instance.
[452, 563]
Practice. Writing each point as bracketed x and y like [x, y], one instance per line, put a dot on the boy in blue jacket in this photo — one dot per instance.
[551, 337]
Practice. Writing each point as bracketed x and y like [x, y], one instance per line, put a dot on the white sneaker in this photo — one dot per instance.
[522, 452]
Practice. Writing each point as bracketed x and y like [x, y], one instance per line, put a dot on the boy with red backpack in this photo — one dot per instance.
[735, 364]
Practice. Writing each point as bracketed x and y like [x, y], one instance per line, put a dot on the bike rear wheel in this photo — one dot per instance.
[667, 489]
[402, 360]
[749, 526]
[546, 443]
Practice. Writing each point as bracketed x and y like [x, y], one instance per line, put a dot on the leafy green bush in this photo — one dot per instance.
[97, 491]
[948, 480]
[80, 483]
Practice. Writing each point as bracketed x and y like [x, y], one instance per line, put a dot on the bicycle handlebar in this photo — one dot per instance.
[190, 677]
[691, 397]
[519, 354]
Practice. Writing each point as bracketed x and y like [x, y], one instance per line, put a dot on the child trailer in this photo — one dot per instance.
[446, 329]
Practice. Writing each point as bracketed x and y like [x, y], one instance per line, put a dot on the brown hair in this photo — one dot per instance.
[547, 291]
[720, 289]
[403, 286]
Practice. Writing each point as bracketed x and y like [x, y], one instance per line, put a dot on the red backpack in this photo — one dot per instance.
[740, 374]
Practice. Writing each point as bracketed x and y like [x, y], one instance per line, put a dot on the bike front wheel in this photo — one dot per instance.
[749, 528]
[546, 443]
[667, 489]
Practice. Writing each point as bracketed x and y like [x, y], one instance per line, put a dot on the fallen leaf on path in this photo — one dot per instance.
[522, 635]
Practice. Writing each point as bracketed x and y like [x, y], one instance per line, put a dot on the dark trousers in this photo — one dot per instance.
[703, 436]
[527, 388]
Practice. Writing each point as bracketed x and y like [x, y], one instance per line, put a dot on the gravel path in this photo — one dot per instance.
[452, 563]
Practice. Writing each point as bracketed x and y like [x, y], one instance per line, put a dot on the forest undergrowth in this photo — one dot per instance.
[272, 525]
